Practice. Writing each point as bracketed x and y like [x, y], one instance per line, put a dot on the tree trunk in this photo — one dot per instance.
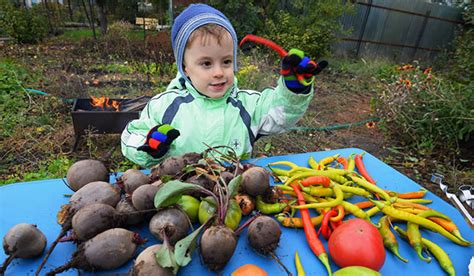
[69, 7]
[102, 5]
[89, 18]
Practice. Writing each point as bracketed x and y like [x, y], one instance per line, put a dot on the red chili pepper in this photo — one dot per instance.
[316, 180]
[325, 229]
[362, 170]
[343, 161]
[314, 243]
[260, 40]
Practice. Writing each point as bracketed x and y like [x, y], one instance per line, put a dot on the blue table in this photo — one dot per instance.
[38, 202]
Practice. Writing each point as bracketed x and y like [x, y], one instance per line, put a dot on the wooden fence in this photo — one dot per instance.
[401, 30]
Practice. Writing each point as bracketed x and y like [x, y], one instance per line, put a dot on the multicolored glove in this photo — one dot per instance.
[158, 140]
[298, 70]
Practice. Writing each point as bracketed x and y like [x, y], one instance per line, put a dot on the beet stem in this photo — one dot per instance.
[53, 245]
[247, 223]
[61, 269]
[280, 263]
[6, 263]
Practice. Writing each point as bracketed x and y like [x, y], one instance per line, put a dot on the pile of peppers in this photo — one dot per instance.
[325, 186]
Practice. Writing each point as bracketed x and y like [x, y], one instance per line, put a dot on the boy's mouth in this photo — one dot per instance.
[218, 86]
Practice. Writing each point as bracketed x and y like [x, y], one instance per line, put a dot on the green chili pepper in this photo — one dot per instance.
[443, 258]
[389, 239]
[269, 208]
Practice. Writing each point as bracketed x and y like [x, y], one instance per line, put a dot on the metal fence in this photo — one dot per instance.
[401, 30]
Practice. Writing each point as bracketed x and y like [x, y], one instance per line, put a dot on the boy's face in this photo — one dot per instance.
[210, 66]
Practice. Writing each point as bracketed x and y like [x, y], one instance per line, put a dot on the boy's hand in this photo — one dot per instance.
[158, 140]
[298, 71]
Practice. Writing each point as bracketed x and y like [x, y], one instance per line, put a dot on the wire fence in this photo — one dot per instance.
[401, 30]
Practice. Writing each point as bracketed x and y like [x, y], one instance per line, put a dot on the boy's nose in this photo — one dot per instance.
[218, 72]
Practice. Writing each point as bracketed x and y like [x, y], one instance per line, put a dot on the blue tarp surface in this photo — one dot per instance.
[38, 203]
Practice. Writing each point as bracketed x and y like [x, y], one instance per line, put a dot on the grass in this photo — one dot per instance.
[82, 33]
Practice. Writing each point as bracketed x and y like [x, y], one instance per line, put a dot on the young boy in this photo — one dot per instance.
[203, 105]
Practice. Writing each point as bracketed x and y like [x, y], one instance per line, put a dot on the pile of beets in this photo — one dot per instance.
[187, 202]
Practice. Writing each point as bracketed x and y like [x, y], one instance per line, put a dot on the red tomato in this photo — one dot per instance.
[357, 242]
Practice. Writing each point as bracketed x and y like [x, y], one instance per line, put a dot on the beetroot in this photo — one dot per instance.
[255, 181]
[86, 171]
[146, 264]
[129, 213]
[170, 222]
[218, 244]
[108, 250]
[264, 234]
[95, 192]
[132, 179]
[22, 241]
[170, 166]
[143, 197]
[92, 220]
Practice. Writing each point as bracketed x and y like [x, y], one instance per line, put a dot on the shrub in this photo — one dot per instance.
[462, 66]
[426, 112]
[311, 26]
[24, 25]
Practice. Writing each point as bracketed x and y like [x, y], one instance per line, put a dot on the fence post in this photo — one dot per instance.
[361, 35]
[423, 27]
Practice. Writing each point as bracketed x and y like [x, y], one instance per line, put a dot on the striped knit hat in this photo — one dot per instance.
[193, 17]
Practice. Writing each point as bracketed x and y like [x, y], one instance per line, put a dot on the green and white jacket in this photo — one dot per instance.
[236, 120]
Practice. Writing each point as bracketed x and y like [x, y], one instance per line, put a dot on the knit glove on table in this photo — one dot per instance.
[158, 140]
[298, 71]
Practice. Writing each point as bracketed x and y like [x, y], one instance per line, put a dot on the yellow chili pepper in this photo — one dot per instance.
[297, 222]
[284, 163]
[356, 211]
[371, 187]
[323, 162]
[299, 266]
[312, 163]
[443, 258]
[402, 215]
[339, 197]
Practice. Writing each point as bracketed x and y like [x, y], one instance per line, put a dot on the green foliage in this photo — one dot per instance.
[245, 15]
[426, 112]
[380, 68]
[462, 68]
[24, 25]
[309, 25]
[51, 168]
[13, 99]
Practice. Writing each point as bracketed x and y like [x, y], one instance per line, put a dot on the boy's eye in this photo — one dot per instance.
[227, 61]
[206, 63]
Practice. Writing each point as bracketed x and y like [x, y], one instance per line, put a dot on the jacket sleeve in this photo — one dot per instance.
[135, 133]
[278, 109]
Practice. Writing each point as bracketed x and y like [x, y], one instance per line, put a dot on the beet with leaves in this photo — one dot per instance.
[171, 222]
[146, 264]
